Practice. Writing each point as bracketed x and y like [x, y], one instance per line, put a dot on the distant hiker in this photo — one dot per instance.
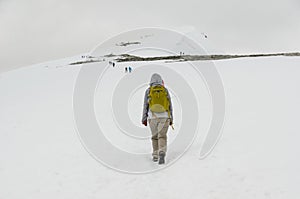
[126, 69]
[159, 112]
[204, 35]
[129, 69]
[113, 64]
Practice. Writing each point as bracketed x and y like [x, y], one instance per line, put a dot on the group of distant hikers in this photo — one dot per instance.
[128, 69]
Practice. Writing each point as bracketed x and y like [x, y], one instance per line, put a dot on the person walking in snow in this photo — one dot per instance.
[129, 69]
[126, 69]
[159, 112]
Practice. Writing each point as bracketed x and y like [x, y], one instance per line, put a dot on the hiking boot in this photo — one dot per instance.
[155, 158]
[161, 157]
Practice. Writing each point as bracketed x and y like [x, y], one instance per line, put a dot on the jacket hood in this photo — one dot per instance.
[156, 80]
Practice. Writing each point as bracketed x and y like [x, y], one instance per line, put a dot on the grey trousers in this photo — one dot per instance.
[159, 128]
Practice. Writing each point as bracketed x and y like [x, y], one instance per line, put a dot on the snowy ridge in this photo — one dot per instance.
[179, 58]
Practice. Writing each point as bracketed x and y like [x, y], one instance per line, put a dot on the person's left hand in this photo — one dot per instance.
[145, 122]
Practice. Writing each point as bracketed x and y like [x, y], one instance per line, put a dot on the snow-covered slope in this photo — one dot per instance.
[41, 155]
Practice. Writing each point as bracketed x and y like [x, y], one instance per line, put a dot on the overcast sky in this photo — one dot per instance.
[35, 31]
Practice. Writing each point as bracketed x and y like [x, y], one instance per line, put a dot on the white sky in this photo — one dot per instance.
[35, 31]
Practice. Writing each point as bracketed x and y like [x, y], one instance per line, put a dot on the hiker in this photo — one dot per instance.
[126, 69]
[113, 64]
[129, 69]
[159, 112]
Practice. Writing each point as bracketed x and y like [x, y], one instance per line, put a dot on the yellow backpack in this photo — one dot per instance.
[158, 99]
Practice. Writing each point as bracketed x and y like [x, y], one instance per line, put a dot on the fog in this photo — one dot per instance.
[35, 31]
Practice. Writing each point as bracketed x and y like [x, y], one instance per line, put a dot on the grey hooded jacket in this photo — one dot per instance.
[155, 80]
